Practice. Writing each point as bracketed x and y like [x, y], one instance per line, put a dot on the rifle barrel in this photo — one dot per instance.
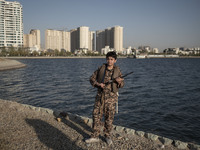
[121, 77]
[127, 74]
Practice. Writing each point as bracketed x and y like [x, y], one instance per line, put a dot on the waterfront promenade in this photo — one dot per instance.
[28, 127]
[6, 64]
[76, 57]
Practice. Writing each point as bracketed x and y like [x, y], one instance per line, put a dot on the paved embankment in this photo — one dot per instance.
[6, 64]
[27, 127]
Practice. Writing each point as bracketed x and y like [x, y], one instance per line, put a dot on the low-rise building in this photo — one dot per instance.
[107, 49]
[183, 51]
[127, 51]
[155, 50]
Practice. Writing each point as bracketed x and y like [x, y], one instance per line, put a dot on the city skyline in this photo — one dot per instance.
[81, 39]
[155, 23]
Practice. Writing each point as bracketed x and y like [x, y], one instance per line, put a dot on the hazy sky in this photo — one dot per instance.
[156, 23]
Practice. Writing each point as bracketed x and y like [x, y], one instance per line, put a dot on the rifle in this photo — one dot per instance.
[127, 74]
[111, 81]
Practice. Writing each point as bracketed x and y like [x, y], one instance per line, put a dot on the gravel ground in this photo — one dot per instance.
[24, 128]
[6, 64]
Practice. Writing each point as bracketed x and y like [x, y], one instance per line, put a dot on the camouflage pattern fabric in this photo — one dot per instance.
[105, 103]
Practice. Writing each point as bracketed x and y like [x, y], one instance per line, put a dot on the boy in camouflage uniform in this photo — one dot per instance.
[106, 97]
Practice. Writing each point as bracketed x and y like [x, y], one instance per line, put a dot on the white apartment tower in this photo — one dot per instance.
[112, 37]
[32, 40]
[56, 39]
[118, 38]
[11, 24]
[82, 38]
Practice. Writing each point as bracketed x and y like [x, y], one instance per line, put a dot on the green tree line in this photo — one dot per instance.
[21, 51]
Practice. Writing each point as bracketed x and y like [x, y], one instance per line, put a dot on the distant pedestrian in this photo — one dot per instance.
[106, 97]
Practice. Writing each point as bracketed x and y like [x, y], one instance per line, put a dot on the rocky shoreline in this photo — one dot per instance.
[7, 64]
[27, 127]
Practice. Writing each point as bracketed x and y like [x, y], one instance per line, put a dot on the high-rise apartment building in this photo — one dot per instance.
[118, 38]
[100, 40]
[92, 40]
[56, 39]
[32, 40]
[11, 24]
[82, 38]
[74, 40]
[112, 37]
[109, 37]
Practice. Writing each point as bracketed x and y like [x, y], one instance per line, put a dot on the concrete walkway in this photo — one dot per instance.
[29, 127]
[6, 64]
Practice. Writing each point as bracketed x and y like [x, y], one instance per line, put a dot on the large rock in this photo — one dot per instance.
[140, 133]
[194, 146]
[151, 136]
[47, 110]
[180, 145]
[165, 141]
[119, 128]
[89, 123]
[84, 119]
[39, 109]
[129, 131]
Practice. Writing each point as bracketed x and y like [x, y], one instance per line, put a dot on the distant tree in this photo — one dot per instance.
[13, 52]
[3, 51]
[56, 52]
[68, 53]
[49, 52]
[89, 53]
[62, 52]
[42, 53]
[23, 51]
[35, 53]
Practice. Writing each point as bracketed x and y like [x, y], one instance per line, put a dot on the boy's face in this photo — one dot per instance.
[111, 61]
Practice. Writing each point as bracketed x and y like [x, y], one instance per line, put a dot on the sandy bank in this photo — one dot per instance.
[6, 64]
[28, 127]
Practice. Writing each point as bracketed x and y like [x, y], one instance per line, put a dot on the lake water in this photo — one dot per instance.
[161, 97]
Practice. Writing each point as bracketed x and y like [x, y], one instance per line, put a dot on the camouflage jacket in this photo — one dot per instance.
[97, 77]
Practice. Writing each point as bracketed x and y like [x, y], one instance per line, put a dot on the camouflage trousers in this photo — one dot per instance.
[104, 104]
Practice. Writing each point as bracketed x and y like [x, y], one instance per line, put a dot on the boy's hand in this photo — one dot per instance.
[101, 85]
[119, 80]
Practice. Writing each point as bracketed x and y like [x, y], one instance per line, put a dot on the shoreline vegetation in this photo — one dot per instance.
[28, 127]
[65, 57]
